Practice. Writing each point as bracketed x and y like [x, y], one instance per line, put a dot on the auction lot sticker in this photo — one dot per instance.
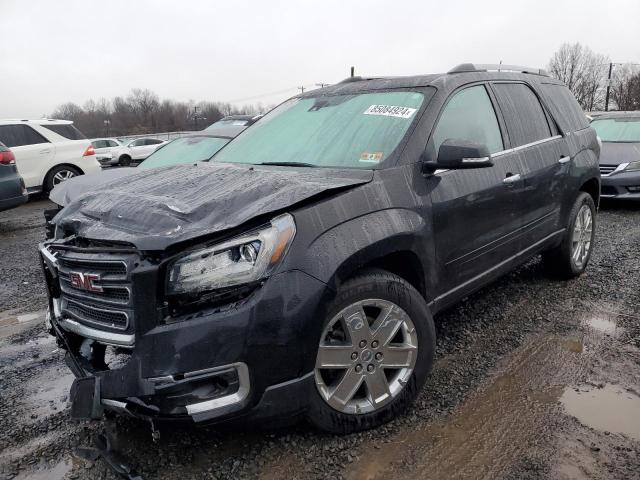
[390, 111]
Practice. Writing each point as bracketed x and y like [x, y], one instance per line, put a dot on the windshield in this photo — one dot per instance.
[618, 129]
[184, 150]
[350, 131]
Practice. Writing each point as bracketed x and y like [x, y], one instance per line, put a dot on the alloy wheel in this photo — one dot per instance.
[62, 175]
[581, 238]
[366, 356]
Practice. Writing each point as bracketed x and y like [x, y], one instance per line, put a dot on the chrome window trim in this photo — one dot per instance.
[510, 150]
[526, 145]
[101, 336]
[217, 403]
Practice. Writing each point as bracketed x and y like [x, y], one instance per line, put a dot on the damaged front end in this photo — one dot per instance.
[99, 307]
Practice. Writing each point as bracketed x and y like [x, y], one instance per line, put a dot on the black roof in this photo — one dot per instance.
[464, 73]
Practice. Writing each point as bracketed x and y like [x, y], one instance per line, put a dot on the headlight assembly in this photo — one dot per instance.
[632, 167]
[244, 259]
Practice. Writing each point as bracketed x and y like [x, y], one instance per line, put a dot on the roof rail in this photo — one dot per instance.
[496, 67]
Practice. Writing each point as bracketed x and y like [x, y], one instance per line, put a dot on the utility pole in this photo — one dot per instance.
[606, 101]
[322, 85]
[301, 89]
[353, 70]
[195, 116]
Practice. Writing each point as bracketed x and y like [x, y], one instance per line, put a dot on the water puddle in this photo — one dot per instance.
[603, 324]
[51, 394]
[55, 472]
[611, 408]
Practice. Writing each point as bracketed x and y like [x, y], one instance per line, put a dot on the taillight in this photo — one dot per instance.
[7, 158]
[89, 151]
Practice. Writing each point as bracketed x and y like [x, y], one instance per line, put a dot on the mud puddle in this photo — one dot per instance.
[487, 432]
[612, 408]
[49, 395]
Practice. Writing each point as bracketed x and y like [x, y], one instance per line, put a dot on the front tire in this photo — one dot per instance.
[125, 160]
[375, 352]
[571, 257]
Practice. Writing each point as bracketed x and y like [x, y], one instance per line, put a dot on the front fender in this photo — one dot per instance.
[336, 254]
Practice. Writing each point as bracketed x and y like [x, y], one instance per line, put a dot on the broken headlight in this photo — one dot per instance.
[244, 259]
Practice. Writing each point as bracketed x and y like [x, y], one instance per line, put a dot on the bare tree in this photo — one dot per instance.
[625, 87]
[583, 71]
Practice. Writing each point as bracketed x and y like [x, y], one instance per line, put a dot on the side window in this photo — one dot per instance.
[112, 143]
[525, 118]
[32, 137]
[19, 135]
[469, 115]
[565, 107]
[152, 141]
[99, 144]
[137, 143]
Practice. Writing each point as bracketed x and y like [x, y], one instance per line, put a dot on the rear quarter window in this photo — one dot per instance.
[66, 130]
[565, 107]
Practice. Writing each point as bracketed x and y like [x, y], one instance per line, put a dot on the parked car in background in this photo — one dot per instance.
[48, 151]
[12, 189]
[620, 154]
[104, 148]
[235, 121]
[135, 150]
[298, 272]
[198, 147]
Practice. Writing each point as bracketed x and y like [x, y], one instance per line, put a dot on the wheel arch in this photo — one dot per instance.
[592, 187]
[57, 165]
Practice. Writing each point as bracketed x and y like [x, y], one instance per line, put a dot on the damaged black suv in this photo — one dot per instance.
[299, 270]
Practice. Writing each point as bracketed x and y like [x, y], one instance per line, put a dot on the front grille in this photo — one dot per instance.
[607, 169]
[96, 315]
[106, 267]
[111, 294]
[110, 304]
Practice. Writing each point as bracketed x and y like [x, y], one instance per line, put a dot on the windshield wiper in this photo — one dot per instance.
[289, 164]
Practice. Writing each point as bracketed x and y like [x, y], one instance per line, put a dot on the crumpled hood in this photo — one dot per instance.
[156, 208]
[66, 192]
[617, 153]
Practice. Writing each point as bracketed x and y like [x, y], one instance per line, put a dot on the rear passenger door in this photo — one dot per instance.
[543, 157]
[474, 211]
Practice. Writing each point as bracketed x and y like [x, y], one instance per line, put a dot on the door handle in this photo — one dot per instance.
[511, 179]
[564, 160]
[46, 150]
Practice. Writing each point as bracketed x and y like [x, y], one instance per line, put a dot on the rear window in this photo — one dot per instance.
[620, 130]
[66, 130]
[20, 135]
[565, 107]
[523, 114]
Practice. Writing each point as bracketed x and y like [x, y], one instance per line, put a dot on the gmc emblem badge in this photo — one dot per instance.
[85, 281]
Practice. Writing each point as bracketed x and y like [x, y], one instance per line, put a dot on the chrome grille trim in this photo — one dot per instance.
[83, 312]
[113, 293]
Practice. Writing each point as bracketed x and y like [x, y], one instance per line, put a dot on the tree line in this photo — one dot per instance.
[143, 112]
[586, 74]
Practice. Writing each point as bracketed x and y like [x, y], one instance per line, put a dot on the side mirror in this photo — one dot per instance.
[460, 154]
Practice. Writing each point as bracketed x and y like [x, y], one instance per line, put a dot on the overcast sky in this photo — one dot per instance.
[52, 52]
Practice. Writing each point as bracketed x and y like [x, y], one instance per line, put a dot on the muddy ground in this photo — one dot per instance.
[534, 378]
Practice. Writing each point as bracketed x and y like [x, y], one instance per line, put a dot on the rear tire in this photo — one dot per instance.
[58, 175]
[571, 257]
[395, 345]
[125, 160]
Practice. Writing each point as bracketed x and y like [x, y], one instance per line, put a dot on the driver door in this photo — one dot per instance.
[474, 211]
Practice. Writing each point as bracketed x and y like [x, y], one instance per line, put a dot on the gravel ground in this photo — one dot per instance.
[534, 378]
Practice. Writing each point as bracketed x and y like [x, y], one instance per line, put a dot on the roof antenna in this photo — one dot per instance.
[353, 69]
[499, 64]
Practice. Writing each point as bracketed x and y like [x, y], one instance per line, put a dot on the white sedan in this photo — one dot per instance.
[136, 150]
